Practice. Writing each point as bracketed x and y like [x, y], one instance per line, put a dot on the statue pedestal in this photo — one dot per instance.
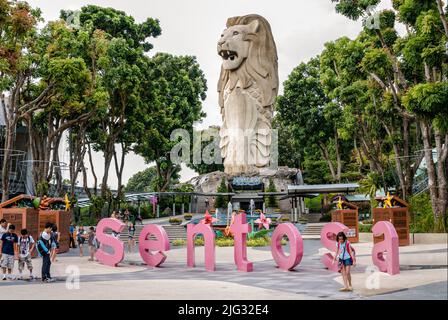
[209, 183]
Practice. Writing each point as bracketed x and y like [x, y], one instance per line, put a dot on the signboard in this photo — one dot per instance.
[248, 183]
[351, 233]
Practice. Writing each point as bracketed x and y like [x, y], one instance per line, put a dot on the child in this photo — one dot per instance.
[8, 252]
[44, 250]
[131, 235]
[91, 240]
[81, 238]
[25, 247]
[346, 255]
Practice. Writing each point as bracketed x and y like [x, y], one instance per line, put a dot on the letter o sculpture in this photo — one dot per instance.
[283, 261]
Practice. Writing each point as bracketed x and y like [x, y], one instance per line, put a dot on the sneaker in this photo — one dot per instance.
[12, 277]
[49, 280]
[4, 277]
[20, 278]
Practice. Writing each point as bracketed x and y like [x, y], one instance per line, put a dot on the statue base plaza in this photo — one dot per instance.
[152, 250]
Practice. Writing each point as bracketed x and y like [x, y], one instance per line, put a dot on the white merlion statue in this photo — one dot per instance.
[247, 87]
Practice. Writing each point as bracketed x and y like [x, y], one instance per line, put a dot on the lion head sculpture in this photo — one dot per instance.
[249, 55]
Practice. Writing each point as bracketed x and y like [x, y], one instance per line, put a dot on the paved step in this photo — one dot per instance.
[313, 229]
[174, 232]
[313, 217]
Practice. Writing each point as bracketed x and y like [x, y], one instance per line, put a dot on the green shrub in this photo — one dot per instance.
[364, 227]
[179, 242]
[229, 242]
[285, 219]
[422, 217]
[271, 200]
[325, 218]
[259, 234]
[175, 220]
[188, 216]
[303, 220]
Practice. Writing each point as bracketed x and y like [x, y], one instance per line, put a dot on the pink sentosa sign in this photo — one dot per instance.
[153, 242]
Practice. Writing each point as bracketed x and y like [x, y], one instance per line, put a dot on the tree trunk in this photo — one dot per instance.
[442, 16]
[108, 154]
[432, 179]
[119, 169]
[442, 152]
[338, 156]
[95, 179]
[326, 156]
[6, 168]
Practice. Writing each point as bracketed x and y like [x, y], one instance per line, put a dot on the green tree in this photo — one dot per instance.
[208, 146]
[119, 72]
[18, 30]
[308, 114]
[221, 201]
[172, 92]
[271, 200]
[143, 181]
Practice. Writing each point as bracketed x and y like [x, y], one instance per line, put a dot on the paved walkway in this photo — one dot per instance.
[423, 274]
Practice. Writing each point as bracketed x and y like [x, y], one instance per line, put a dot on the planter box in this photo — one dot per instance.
[350, 219]
[398, 215]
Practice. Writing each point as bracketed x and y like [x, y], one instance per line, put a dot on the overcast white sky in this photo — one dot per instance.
[193, 27]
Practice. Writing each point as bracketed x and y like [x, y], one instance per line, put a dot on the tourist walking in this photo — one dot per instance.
[346, 258]
[44, 250]
[8, 251]
[139, 219]
[81, 238]
[55, 237]
[26, 246]
[71, 232]
[126, 215]
[131, 235]
[92, 242]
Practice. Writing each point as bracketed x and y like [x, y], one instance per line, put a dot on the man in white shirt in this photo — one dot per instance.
[3, 227]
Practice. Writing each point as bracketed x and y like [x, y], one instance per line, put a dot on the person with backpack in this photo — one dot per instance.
[44, 250]
[8, 251]
[26, 246]
[55, 236]
[346, 255]
[71, 232]
[81, 238]
[92, 242]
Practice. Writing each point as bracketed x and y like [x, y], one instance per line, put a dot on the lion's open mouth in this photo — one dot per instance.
[228, 54]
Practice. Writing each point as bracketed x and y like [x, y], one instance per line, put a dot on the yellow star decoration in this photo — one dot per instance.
[67, 203]
[388, 201]
[339, 205]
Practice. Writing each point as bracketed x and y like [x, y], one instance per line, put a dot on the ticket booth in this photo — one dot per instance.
[396, 211]
[20, 212]
[347, 214]
[53, 210]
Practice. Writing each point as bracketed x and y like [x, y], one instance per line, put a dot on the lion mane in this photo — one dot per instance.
[261, 66]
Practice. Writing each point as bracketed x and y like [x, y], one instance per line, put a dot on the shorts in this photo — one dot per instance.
[27, 260]
[346, 262]
[7, 261]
